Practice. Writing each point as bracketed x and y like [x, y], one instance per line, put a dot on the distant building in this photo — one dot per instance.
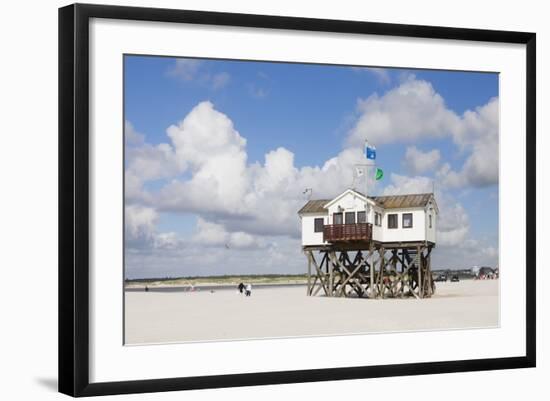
[484, 272]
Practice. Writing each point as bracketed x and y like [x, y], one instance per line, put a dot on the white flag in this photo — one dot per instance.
[359, 171]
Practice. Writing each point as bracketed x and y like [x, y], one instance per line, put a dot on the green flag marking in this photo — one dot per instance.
[379, 174]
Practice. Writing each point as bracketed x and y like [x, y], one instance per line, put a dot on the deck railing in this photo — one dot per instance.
[347, 232]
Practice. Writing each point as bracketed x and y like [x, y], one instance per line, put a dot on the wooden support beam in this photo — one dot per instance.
[320, 274]
[371, 263]
[348, 278]
[382, 264]
[308, 274]
[419, 258]
[330, 274]
[429, 271]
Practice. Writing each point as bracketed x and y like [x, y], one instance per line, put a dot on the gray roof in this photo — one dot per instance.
[314, 206]
[387, 202]
[402, 201]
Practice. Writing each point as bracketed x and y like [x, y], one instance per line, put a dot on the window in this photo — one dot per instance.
[392, 221]
[361, 217]
[350, 217]
[337, 218]
[377, 219]
[318, 225]
[430, 219]
[407, 220]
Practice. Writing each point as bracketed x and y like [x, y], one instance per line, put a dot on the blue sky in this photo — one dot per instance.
[435, 126]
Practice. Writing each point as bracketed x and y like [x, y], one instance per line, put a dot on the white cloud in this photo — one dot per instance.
[417, 161]
[213, 234]
[220, 80]
[150, 162]
[139, 225]
[381, 74]
[169, 240]
[208, 145]
[479, 136]
[281, 254]
[210, 233]
[414, 111]
[145, 162]
[241, 239]
[453, 224]
[215, 180]
[185, 69]
[193, 70]
[402, 185]
[406, 113]
[131, 136]
[141, 231]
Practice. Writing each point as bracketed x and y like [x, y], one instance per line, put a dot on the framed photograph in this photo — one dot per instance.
[251, 199]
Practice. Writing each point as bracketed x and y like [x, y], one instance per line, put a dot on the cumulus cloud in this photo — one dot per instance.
[207, 144]
[145, 163]
[402, 185]
[417, 161]
[453, 224]
[139, 225]
[411, 111]
[210, 175]
[141, 232]
[140, 221]
[213, 234]
[152, 162]
[479, 136]
[414, 111]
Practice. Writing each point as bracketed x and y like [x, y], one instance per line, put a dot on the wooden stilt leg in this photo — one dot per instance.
[371, 252]
[419, 258]
[330, 276]
[309, 274]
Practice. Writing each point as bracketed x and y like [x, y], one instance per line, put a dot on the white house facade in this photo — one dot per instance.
[353, 217]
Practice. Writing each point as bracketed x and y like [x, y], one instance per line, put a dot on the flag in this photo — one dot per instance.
[359, 172]
[379, 174]
[370, 151]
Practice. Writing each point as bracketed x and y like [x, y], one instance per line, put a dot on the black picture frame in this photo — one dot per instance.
[74, 198]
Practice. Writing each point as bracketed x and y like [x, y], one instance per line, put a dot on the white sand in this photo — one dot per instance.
[156, 317]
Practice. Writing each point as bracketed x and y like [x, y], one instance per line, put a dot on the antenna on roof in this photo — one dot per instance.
[308, 191]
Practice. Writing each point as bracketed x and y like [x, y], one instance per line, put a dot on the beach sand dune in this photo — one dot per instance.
[157, 317]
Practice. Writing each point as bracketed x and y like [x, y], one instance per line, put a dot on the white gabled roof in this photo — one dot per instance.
[346, 192]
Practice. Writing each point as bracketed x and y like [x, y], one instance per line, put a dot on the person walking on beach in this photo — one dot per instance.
[241, 288]
[248, 289]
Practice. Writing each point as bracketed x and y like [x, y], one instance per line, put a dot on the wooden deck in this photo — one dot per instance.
[347, 232]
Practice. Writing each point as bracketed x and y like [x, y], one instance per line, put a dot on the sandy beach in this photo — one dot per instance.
[286, 311]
